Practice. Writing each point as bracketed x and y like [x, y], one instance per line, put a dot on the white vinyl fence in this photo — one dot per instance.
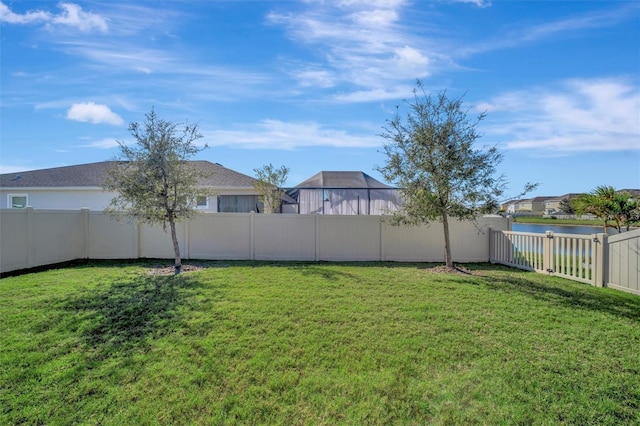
[597, 259]
[30, 238]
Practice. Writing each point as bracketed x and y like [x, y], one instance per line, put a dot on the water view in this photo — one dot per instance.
[560, 229]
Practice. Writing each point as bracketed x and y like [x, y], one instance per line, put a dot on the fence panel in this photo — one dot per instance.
[522, 250]
[623, 266]
[574, 257]
[58, 236]
[597, 259]
[349, 238]
[284, 237]
[110, 240]
[37, 237]
[220, 236]
[14, 239]
[31, 238]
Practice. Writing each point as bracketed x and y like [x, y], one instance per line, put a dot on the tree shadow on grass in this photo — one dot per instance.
[570, 294]
[124, 315]
[321, 271]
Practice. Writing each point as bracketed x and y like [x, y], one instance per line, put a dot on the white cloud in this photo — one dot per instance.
[479, 3]
[363, 46]
[376, 17]
[74, 16]
[6, 15]
[93, 113]
[378, 94]
[577, 115]
[276, 134]
[71, 15]
[601, 18]
[170, 70]
[310, 77]
[409, 57]
[106, 143]
[121, 55]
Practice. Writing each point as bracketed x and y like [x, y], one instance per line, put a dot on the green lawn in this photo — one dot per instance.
[552, 221]
[315, 343]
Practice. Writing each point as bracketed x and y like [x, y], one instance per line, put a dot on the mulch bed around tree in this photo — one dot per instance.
[168, 269]
[163, 269]
[457, 269]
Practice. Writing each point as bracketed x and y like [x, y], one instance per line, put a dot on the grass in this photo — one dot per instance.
[315, 343]
[552, 221]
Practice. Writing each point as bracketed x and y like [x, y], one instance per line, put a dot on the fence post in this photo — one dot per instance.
[138, 238]
[382, 256]
[491, 246]
[31, 238]
[548, 261]
[186, 237]
[316, 235]
[87, 236]
[600, 259]
[252, 235]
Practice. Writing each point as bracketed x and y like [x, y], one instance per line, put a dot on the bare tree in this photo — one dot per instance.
[155, 182]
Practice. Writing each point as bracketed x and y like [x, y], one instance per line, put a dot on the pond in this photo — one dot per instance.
[559, 229]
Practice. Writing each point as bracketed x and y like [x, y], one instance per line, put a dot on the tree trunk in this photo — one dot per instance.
[176, 246]
[447, 241]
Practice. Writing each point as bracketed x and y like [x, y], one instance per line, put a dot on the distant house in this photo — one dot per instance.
[553, 205]
[78, 186]
[635, 193]
[342, 193]
[510, 207]
[534, 206]
[547, 205]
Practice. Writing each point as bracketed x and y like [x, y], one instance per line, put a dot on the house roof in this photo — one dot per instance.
[569, 196]
[342, 180]
[540, 199]
[633, 192]
[93, 175]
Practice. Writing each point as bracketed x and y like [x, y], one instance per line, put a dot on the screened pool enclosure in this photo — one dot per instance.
[343, 193]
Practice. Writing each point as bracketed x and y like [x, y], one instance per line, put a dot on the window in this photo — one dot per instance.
[17, 201]
[238, 203]
[202, 202]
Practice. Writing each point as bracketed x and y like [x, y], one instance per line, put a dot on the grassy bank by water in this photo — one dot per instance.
[551, 221]
[315, 343]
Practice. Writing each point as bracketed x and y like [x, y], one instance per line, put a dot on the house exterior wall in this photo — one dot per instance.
[526, 206]
[537, 207]
[94, 199]
[552, 206]
[59, 199]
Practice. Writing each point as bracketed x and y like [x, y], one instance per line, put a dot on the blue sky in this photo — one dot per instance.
[309, 84]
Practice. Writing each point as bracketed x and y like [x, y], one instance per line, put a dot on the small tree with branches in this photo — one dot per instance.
[616, 209]
[432, 158]
[269, 186]
[155, 182]
[566, 206]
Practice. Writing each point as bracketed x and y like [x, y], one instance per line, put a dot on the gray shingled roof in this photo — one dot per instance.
[93, 174]
[342, 180]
